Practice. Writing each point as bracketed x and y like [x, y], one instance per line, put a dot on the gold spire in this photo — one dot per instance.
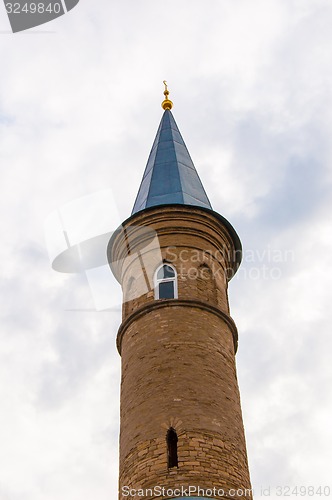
[166, 104]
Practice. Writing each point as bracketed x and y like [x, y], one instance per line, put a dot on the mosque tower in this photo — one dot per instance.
[181, 430]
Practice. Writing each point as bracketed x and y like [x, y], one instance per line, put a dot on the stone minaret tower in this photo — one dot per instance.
[181, 422]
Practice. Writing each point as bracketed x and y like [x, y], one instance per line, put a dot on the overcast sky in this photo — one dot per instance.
[79, 109]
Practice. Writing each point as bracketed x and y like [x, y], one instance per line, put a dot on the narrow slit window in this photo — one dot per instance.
[172, 448]
[165, 282]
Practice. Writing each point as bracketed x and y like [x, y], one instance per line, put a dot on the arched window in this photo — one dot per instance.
[165, 282]
[172, 448]
[128, 295]
[206, 285]
[128, 288]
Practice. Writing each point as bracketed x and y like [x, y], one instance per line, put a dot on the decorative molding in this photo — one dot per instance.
[159, 304]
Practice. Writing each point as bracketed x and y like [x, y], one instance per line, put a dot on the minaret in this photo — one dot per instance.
[181, 425]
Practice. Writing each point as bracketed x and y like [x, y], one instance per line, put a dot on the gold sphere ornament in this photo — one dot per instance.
[167, 103]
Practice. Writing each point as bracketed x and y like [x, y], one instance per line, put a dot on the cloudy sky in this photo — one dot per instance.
[79, 108]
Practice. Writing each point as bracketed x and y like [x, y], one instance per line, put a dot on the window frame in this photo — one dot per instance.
[158, 281]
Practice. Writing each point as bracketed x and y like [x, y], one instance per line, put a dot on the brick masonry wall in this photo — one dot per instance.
[178, 357]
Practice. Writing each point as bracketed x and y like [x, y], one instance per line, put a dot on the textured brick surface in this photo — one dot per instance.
[178, 364]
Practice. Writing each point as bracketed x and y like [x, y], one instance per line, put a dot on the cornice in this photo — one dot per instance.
[160, 304]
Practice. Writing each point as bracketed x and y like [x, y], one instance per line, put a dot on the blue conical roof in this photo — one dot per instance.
[170, 175]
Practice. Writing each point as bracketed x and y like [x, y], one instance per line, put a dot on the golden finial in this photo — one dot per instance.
[166, 104]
